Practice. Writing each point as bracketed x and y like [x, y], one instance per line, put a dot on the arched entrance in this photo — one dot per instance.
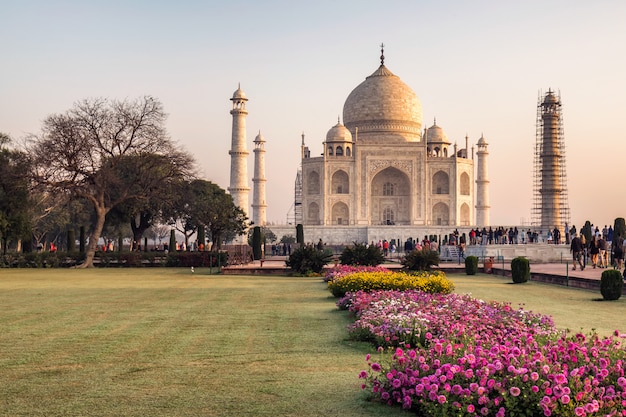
[390, 201]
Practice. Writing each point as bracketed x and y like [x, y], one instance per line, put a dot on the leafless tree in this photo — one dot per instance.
[87, 151]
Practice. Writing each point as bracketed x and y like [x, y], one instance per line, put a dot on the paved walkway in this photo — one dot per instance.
[559, 269]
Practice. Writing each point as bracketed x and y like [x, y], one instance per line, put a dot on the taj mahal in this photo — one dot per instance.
[381, 174]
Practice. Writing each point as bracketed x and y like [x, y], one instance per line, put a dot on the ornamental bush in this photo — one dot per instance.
[420, 260]
[520, 270]
[471, 265]
[360, 254]
[611, 284]
[308, 259]
[431, 282]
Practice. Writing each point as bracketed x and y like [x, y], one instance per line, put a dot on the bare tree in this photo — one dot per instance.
[86, 151]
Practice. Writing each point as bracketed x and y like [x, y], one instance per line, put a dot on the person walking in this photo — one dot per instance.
[603, 253]
[576, 248]
[595, 251]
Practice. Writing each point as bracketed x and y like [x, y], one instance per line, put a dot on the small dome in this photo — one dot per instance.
[550, 98]
[482, 141]
[339, 133]
[259, 138]
[239, 94]
[436, 134]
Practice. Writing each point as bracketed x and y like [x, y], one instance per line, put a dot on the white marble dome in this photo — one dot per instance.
[383, 102]
[339, 133]
[435, 134]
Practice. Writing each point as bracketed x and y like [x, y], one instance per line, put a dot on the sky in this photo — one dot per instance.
[478, 67]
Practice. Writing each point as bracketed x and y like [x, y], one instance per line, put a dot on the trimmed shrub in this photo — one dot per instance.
[471, 265]
[611, 284]
[360, 254]
[307, 259]
[300, 234]
[420, 260]
[520, 270]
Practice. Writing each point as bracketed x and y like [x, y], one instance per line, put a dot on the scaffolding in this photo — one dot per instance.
[550, 197]
[297, 200]
[294, 215]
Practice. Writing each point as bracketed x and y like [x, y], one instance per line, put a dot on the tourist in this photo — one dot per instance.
[618, 253]
[603, 253]
[576, 248]
[595, 250]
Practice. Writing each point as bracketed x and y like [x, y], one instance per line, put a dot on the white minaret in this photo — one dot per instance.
[482, 184]
[259, 207]
[239, 153]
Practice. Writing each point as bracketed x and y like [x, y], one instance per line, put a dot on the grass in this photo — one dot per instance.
[571, 308]
[164, 342]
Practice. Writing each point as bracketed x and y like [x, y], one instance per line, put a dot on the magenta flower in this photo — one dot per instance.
[515, 391]
[376, 367]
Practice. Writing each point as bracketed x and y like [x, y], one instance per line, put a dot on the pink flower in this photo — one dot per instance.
[362, 375]
[515, 391]
[471, 408]
[376, 367]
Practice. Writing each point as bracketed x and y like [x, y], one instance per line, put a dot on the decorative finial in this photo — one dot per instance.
[338, 120]
[382, 54]
[434, 121]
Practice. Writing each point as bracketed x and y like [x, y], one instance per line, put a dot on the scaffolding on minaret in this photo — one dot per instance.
[297, 201]
[550, 197]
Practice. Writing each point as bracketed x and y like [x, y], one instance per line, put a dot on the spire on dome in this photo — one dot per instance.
[382, 54]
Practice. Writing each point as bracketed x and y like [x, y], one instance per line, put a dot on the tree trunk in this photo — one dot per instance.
[101, 213]
[140, 229]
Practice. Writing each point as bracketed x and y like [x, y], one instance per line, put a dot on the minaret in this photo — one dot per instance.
[551, 180]
[239, 153]
[482, 184]
[259, 207]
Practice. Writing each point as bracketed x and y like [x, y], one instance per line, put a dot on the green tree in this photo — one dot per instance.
[207, 205]
[87, 151]
[15, 203]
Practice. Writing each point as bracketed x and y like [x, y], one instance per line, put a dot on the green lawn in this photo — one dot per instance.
[165, 342]
[571, 308]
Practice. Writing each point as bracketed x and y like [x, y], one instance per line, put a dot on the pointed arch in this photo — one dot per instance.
[340, 182]
[465, 215]
[390, 197]
[441, 214]
[441, 183]
[465, 184]
[313, 214]
[340, 214]
[313, 183]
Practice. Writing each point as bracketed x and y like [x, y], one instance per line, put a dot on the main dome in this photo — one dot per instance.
[384, 103]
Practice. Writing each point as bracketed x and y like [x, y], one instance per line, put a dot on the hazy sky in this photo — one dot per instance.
[477, 66]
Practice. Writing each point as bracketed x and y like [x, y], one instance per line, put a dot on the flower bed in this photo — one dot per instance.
[364, 280]
[471, 358]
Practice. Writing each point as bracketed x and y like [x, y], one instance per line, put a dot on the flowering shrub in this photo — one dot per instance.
[341, 270]
[415, 318]
[387, 280]
[485, 359]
